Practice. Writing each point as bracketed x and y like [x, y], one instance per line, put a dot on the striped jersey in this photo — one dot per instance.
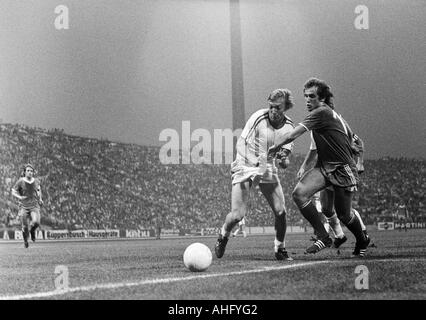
[259, 135]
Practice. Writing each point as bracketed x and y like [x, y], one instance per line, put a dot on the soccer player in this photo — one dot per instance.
[326, 199]
[335, 166]
[253, 167]
[241, 226]
[323, 200]
[27, 190]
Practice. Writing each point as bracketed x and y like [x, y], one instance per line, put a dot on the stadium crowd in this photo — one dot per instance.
[91, 183]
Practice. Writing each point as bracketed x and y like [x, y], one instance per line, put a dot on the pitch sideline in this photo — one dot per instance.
[118, 285]
[155, 281]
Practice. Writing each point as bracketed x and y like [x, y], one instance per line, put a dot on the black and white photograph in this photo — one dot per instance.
[212, 155]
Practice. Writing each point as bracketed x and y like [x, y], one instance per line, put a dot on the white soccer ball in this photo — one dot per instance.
[197, 257]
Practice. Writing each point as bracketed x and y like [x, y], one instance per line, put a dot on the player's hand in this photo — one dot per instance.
[283, 162]
[300, 173]
[360, 168]
[273, 151]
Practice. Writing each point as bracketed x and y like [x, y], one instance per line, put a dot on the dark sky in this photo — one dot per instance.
[126, 70]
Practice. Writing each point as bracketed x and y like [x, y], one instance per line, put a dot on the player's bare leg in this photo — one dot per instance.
[25, 230]
[240, 197]
[312, 182]
[274, 195]
[35, 223]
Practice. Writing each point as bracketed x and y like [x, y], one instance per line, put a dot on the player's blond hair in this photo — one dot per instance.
[282, 93]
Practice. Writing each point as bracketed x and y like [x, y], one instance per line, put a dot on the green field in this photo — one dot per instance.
[153, 269]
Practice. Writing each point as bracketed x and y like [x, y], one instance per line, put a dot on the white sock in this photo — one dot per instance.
[335, 226]
[278, 244]
[327, 227]
[360, 220]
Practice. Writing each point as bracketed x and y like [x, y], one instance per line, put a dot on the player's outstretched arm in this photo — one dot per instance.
[287, 138]
[310, 158]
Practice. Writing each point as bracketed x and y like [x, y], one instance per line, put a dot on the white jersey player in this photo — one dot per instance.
[252, 166]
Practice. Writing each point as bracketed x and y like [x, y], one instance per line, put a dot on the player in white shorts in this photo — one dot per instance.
[253, 167]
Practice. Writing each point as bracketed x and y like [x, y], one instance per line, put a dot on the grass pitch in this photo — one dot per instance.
[153, 269]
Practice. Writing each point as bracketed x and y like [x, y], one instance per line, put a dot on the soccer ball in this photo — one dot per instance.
[197, 257]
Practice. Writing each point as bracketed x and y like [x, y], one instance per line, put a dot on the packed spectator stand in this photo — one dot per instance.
[92, 183]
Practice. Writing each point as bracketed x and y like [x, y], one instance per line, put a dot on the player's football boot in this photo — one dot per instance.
[319, 245]
[220, 246]
[361, 248]
[282, 254]
[339, 241]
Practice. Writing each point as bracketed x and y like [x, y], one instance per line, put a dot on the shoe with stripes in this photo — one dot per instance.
[361, 248]
[319, 245]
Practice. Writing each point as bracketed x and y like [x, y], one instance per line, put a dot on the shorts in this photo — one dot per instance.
[341, 175]
[242, 173]
[24, 211]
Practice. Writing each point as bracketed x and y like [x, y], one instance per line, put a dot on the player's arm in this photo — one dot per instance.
[283, 158]
[287, 138]
[310, 158]
[360, 159]
[39, 195]
[16, 194]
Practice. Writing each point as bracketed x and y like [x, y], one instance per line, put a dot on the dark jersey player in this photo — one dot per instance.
[27, 191]
[335, 165]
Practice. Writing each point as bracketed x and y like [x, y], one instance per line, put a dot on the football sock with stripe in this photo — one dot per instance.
[310, 213]
[354, 226]
[359, 218]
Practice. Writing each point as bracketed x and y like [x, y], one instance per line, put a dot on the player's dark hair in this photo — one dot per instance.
[323, 90]
[282, 93]
[24, 169]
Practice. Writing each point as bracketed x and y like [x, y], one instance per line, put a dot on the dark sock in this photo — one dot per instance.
[311, 214]
[354, 226]
[25, 233]
[34, 227]
[280, 226]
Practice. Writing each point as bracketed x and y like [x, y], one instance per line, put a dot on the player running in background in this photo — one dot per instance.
[27, 190]
[241, 227]
[252, 167]
[335, 165]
